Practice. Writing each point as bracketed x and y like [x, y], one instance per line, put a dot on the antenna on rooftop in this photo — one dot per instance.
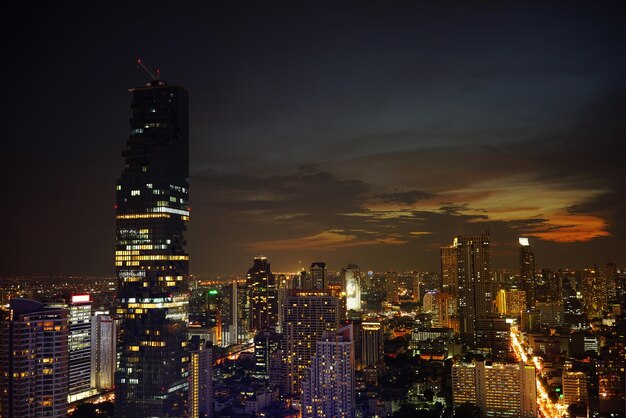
[147, 70]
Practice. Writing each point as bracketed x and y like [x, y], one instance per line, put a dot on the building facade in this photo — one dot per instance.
[103, 351]
[34, 361]
[200, 378]
[527, 272]
[263, 295]
[498, 389]
[151, 263]
[329, 387]
[475, 283]
[307, 314]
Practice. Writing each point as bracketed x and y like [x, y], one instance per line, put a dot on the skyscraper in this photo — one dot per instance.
[150, 259]
[329, 387]
[527, 272]
[200, 378]
[263, 295]
[318, 275]
[594, 293]
[372, 344]
[79, 346]
[449, 269]
[475, 284]
[266, 343]
[307, 314]
[33, 360]
[103, 351]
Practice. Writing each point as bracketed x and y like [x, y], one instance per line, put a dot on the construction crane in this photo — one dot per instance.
[147, 70]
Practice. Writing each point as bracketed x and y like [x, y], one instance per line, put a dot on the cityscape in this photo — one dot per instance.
[396, 213]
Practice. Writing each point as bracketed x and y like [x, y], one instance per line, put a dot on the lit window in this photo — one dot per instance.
[135, 192]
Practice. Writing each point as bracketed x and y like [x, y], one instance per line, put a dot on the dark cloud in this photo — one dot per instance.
[407, 198]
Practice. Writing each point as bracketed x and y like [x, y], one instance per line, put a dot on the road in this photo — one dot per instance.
[545, 406]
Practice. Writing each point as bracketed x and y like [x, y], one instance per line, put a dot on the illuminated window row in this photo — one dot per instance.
[143, 216]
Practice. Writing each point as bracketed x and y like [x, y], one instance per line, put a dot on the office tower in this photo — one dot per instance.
[34, 360]
[610, 273]
[391, 287]
[594, 293]
[200, 378]
[329, 387]
[150, 259]
[515, 302]
[235, 313]
[307, 314]
[527, 272]
[79, 342]
[493, 335]
[372, 344]
[266, 343]
[263, 295]
[318, 275]
[475, 293]
[501, 302]
[574, 385]
[352, 283]
[498, 389]
[79, 347]
[449, 269]
[552, 313]
[103, 351]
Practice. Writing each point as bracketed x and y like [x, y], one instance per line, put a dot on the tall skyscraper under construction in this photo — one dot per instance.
[150, 259]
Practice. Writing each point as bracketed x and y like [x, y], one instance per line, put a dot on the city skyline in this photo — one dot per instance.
[350, 133]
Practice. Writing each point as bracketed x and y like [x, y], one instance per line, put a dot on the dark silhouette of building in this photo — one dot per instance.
[150, 259]
[475, 283]
[318, 275]
[263, 295]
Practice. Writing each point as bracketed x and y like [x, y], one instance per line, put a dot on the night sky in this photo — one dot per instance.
[347, 132]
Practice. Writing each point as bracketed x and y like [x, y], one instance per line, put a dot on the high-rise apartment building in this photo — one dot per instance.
[200, 378]
[475, 284]
[527, 272]
[449, 269]
[493, 336]
[263, 295]
[103, 351]
[498, 389]
[306, 315]
[329, 387]
[34, 361]
[151, 263]
[595, 300]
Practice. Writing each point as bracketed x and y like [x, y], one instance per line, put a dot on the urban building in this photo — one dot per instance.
[329, 387]
[151, 263]
[79, 342]
[552, 313]
[103, 351]
[235, 313]
[318, 275]
[493, 336]
[372, 344]
[475, 286]
[34, 361]
[200, 378]
[527, 272]
[352, 281]
[594, 293]
[266, 343]
[498, 389]
[449, 269]
[263, 295]
[574, 385]
[307, 314]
